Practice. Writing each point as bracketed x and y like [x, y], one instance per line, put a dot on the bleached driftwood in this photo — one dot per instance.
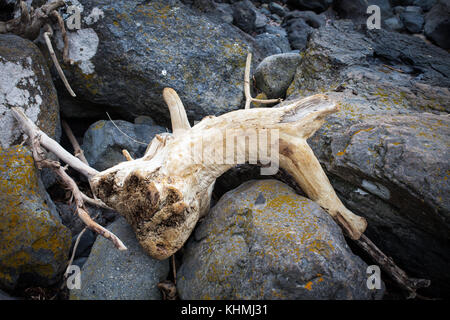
[163, 194]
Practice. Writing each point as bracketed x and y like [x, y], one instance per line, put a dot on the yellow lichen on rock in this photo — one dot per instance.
[33, 240]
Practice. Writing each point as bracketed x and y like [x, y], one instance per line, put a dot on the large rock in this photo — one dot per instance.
[25, 82]
[103, 142]
[110, 274]
[34, 245]
[437, 24]
[392, 158]
[149, 45]
[263, 241]
[275, 73]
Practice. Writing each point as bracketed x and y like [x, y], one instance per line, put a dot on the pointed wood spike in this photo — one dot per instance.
[178, 116]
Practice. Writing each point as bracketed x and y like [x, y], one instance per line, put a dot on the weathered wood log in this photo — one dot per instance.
[163, 194]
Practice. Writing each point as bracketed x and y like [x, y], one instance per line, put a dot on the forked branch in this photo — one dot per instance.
[38, 138]
[248, 96]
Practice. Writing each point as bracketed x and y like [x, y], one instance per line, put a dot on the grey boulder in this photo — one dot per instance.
[110, 274]
[128, 51]
[275, 73]
[34, 244]
[263, 241]
[25, 82]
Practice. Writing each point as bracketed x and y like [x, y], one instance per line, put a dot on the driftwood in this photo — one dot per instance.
[163, 194]
[29, 24]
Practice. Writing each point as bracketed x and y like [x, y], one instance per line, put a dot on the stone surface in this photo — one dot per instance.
[437, 24]
[244, 16]
[34, 245]
[110, 274]
[314, 5]
[386, 85]
[298, 33]
[25, 82]
[103, 142]
[394, 24]
[155, 44]
[426, 5]
[357, 9]
[413, 20]
[273, 43]
[299, 26]
[263, 241]
[275, 73]
[277, 9]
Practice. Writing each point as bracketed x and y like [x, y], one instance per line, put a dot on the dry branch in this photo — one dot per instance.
[78, 152]
[38, 139]
[51, 145]
[47, 34]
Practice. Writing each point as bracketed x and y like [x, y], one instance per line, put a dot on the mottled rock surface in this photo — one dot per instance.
[34, 245]
[275, 73]
[437, 24]
[103, 142]
[391, 165]
[263, 241]
[110, 274]
[133, 49]
[25, 82]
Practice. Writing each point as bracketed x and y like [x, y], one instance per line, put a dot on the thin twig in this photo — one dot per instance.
[140, 142]
[174, 270]
[392, 68]
[48, 143]
[78, 152]
[60, 20]
[47, 35]
[72, 257]
[37, 137]
[95, 202]
[80, 209]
